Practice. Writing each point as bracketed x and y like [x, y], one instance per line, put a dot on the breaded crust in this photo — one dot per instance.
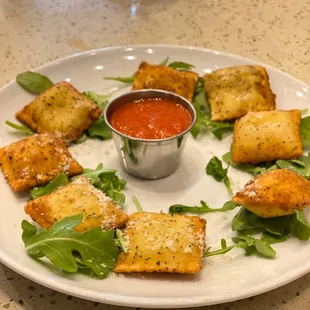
[149, 76]
[275, 193]
[61, 110]
[36, 160]
[267, 136]
[159, 242]
[235, 91]
[77, 197]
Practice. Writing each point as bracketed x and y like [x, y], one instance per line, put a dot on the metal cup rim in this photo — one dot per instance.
[159, 92]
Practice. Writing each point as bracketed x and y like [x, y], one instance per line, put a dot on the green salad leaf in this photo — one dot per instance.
[108, 182]
[21, 128]
[215, 169]
[305, 131]
[164, 62]
[246, 222]
[99, 129]
[137, 203]
[105, 180]
[69, 250]
[81, 139]
[121, 241]
[300, 165]
[203, 208]
[60, 180]
[93, 175]
[180, 65]
[301, 227]
[126, 80]
[224, 249]
[100, 100]
[34, 82]
[203, 112]
[250, 245]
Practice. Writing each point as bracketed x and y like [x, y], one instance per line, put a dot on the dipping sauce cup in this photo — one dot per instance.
[149, 158]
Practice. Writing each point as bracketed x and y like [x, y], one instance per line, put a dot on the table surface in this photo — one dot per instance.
[34, 32]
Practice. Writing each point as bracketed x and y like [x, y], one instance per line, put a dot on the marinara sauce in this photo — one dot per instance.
[153, 118]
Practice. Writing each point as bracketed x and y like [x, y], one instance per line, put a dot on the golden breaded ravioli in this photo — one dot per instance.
[36, 160]
[149, 76]
[267, 136]
[159, 242]
[61, 110]
[235, 91]
[77, 197]
[275, 193]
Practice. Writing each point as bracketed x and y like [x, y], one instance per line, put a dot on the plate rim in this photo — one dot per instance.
[152, 302]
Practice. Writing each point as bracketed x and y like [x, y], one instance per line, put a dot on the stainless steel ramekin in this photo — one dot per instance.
[144, 158]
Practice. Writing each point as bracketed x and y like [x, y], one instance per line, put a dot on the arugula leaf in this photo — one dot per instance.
[24, 129]
[81, 139]
[137, 203]
[96, 249]
[301, 165]
[180, 65]
[164, 62]
[271, 239]
[294, 166]
[223, 250]
[181, 209]
[60, 180]
[121, 241]
[301, 226]
[105, 180]
[250, 244]
[34, 82]
[126, 80]
[99, 129]
[252, 169]
[100, 100]
[93, 174]
[215, 169]
[108, 182]
[229, 205]
[305, 131]
[221, 128]
[245, 222]
[253, 245]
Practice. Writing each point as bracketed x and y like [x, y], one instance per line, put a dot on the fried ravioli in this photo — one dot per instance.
[275, 193]
[36, 160]
[61, 110]
[149, 76]
[267, 136]
[77, 197]
[159, 242]
[235, 91]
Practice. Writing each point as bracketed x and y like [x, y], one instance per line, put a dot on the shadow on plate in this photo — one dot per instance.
[187, 175]
[164, 276]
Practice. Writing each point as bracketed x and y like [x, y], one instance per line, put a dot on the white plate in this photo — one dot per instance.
[224, 278]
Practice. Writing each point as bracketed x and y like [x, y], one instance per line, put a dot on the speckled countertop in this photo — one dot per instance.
[33, 32]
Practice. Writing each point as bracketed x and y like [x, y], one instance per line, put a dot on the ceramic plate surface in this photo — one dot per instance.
[223, 278]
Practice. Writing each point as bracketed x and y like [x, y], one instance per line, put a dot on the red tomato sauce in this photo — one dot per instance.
[151, 119]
